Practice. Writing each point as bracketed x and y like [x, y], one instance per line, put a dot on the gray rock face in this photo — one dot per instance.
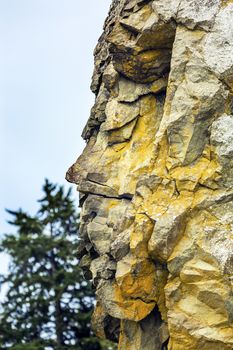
[218, 47]
[222, 136]
[222, 141]
[156, 178]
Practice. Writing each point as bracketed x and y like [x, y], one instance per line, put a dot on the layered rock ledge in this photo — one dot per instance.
[156, 176]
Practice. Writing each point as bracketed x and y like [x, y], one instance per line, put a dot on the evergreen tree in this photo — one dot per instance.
[48, 304]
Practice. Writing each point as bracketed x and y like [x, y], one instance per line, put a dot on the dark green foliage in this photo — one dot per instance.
[48, 304]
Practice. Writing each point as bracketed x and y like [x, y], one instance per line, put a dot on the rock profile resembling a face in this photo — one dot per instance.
[156, 176]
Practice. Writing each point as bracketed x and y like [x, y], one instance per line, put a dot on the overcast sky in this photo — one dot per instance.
[46, 63]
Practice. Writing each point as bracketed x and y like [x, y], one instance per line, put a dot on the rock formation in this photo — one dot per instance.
[156, 176]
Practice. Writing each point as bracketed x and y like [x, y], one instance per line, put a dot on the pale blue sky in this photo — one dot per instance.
[46, 63]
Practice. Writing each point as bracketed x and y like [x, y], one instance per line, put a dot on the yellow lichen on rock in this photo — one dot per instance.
[156, 178]
[137, 278]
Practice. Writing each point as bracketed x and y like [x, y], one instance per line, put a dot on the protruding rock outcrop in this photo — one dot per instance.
[156, 176]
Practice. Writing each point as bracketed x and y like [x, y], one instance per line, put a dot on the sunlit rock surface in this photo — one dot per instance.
[156, 176]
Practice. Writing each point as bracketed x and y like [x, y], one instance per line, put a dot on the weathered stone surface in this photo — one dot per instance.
[156, 178]
[218, 46]
[150, 334]
[222, 141]
[130, 91]
[119, 114]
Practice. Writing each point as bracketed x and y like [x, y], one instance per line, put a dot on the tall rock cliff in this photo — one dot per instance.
[156, 176]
